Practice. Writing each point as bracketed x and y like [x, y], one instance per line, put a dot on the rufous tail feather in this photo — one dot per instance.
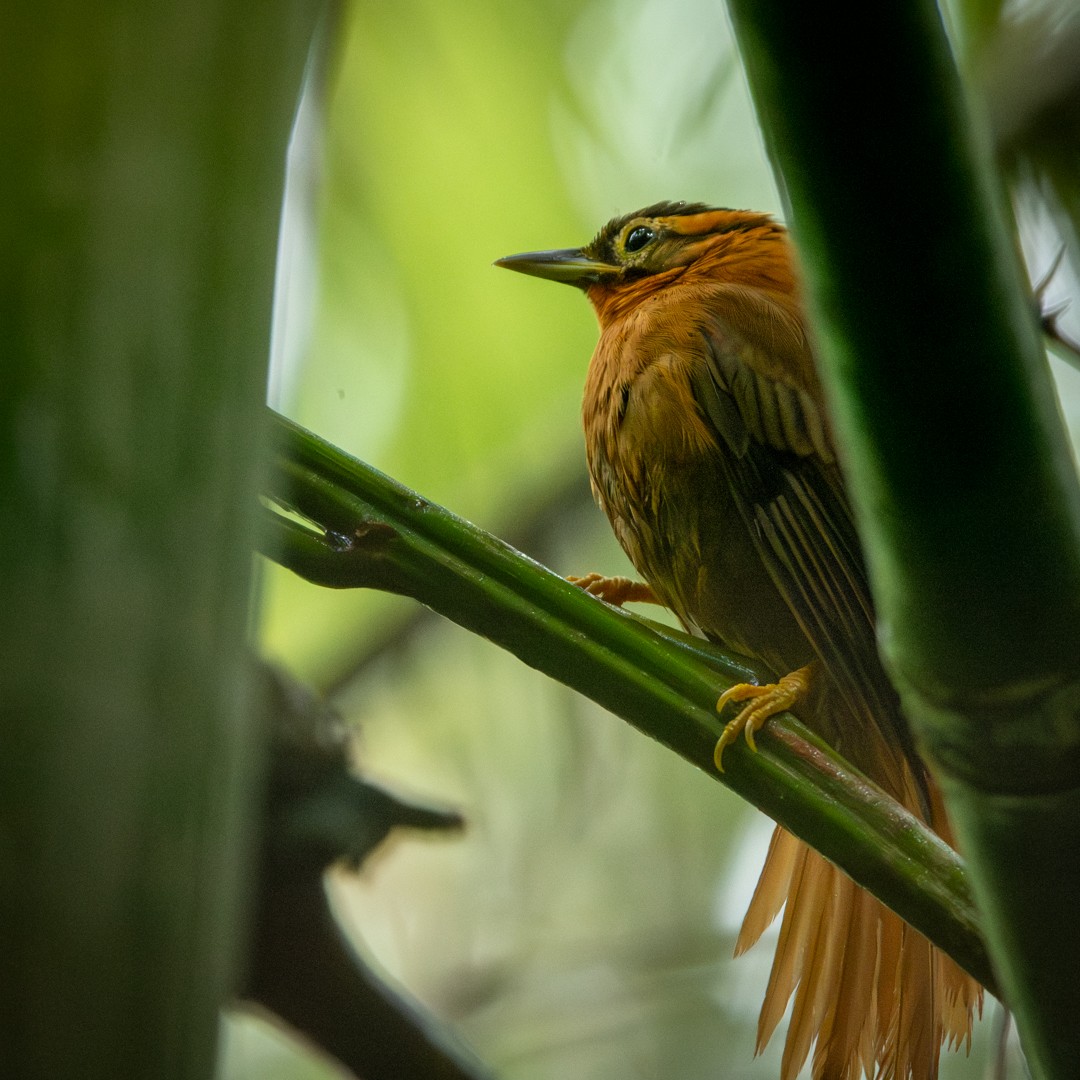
[872, 995]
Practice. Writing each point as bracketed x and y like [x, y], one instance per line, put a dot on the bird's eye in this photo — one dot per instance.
[639, 237]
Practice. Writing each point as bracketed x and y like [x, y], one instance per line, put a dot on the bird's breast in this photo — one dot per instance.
[657, 471]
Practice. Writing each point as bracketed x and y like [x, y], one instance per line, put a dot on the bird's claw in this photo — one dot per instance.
[763, 702]
[615, 590]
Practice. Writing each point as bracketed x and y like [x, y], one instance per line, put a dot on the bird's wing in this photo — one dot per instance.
[757, 389]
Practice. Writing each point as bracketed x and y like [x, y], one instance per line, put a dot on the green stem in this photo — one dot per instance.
[367, 530]
[962, 480]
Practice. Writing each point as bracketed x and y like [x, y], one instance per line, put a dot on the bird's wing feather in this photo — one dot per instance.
[782, 470]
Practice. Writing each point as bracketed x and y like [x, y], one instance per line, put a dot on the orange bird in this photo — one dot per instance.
[711, 452]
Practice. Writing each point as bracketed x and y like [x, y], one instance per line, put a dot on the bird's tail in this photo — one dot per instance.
[872, 995]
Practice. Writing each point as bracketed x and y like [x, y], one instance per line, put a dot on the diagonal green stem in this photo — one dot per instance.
[368, 531]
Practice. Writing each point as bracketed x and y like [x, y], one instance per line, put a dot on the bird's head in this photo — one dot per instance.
[658, 243]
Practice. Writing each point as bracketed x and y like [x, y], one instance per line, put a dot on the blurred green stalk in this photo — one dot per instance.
[140, 195]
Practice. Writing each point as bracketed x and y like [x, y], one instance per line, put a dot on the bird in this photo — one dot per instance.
[711, 452]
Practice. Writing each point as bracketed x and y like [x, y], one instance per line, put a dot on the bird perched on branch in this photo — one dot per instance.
[711, 452]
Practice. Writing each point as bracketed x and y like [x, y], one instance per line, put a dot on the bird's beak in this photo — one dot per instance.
[569, 265]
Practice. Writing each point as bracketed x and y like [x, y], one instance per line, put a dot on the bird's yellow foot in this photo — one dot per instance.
[616, 590]
[762, 702]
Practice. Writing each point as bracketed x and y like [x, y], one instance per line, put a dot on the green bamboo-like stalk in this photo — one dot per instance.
[140, 193]
[963, 483]
[363, 529]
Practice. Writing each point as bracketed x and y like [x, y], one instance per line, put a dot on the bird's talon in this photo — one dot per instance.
[738, 692]
[748, 732]
[615, 590]
[727, 737]
[764, 702]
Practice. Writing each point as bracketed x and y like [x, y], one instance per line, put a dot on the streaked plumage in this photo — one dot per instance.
[710, 451]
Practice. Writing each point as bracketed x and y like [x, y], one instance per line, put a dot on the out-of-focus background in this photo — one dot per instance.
[583, 925]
